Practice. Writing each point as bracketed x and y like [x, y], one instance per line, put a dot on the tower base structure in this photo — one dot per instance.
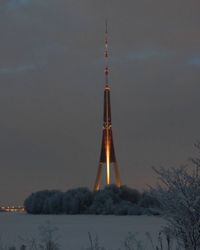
[115, 166]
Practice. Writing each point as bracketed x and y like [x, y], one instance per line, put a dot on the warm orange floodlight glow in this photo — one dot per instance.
[108, 158]
[107, 155]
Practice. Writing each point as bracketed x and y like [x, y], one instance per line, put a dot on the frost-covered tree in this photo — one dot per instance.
[179, 196]
[103, 202]
[74, 201]
[130, 194]
[37, 202]
[77, 201]
[53, 203]
[115, 200]
[110, 200]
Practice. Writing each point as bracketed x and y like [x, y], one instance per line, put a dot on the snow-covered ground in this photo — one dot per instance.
[73, 229]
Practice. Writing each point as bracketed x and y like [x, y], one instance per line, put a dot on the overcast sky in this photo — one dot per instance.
[51, 90]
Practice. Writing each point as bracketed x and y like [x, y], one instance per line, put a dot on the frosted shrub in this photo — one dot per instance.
[94, 243]
[179, 198]
[12, 248]
[164, 241]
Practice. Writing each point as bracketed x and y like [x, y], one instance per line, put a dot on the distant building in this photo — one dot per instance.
[12, 209]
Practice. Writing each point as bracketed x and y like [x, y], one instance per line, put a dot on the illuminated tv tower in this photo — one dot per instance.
[107, 155]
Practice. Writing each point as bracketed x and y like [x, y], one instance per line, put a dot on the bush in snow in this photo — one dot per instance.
[163, 241]
[179, 198]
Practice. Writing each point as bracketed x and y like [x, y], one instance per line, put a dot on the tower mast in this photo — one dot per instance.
[106, 71]
[107, 155]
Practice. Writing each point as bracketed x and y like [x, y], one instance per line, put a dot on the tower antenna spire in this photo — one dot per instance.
[106, 22]
[106, 71]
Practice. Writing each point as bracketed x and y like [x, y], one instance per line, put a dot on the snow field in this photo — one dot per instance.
[72, 230]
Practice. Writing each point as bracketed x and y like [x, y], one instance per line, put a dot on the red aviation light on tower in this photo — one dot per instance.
[106, 71]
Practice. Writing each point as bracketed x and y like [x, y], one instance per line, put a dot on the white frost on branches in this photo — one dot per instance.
[179, 196]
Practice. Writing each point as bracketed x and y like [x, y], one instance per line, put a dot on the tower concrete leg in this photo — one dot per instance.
[117, 175]
[98, 178]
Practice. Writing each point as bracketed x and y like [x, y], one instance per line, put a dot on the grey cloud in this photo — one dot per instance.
[54, 46]
[14, 5]
[147, 54]
[195, 60]
[20, 69]
[142, 55]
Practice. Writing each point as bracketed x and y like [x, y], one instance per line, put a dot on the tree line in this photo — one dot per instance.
[110, 200]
